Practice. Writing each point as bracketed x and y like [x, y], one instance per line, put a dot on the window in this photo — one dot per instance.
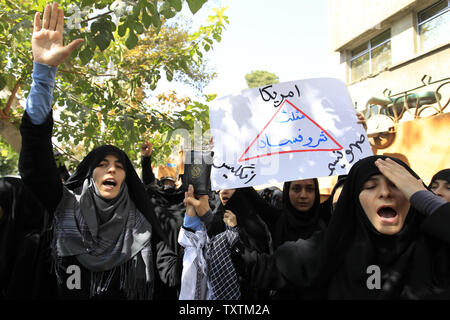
[371, 57]
[434, 25]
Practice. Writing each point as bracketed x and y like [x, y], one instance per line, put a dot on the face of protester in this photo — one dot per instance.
[109, 176]
[336, 195]
[441, 188]
[225, 195]
[302, 194]
[384, 204]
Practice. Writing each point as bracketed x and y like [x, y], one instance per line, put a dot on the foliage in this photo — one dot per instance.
[8, 159]
[102, 93]
[260, 78]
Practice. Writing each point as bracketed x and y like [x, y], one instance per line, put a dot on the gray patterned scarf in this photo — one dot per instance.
[105, 236]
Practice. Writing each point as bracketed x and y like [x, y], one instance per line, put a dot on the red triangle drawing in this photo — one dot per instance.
[270, 140]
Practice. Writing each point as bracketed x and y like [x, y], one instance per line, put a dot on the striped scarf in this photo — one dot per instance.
[105, 237]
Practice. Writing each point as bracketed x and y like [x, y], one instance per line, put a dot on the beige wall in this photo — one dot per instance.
[403, 36]
[353, 20]
[424, 143]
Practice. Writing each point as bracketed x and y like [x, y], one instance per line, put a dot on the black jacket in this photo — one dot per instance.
[39, 172]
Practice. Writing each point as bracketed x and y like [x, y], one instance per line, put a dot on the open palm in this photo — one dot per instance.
[47, 40]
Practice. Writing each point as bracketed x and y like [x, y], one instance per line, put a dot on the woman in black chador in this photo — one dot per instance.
[440, 184]
[106, 237]
[245, 204]
[21, 236]
[300, 216]
[387, 239]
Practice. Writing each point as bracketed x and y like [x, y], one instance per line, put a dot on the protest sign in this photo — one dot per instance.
[284, 132]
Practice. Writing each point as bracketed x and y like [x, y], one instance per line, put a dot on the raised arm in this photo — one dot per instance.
[148, 177]
[36, 163]
[47, 41]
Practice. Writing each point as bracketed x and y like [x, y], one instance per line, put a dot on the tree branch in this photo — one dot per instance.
[75, 100]
[85, 74]
[4, 114]
[64, 152]
[99, 16]
[25, 55]
[64, 124]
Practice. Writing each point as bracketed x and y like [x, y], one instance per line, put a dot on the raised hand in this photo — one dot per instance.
[229, 218]
[47, 40]
[399, 176]
[146, 149]
[190, 210]
[198, 202]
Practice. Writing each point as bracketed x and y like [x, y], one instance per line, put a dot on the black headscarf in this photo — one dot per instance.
[273, 196]
[326, 210]
[441, 175]
[136, 274]
[352, 244]
[136, 189]
[413, 263]
[254, 234]
[21, 227]
[169, 209]
[293, 224]
[244, 203]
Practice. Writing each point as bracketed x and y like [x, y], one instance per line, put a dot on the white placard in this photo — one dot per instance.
[283, 132]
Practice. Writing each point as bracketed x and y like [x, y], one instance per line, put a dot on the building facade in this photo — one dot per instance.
[395, 58]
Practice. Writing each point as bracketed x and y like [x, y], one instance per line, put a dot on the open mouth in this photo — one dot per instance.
[387, 212]
[110, 183]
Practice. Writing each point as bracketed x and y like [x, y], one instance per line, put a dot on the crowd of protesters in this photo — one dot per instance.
[103, 232]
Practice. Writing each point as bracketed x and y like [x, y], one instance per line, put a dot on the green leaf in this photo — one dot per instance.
[137, 9]
[86, 55]
[142, 129]
[90, 130]
[146, 19]
[131, 40]
[177, 4]
[2, 81]
[102, 40]
[151, 7]
[210, 97]
[87, 3]
[156, 20]
[168, 13]
[123, 29]
[138, 27]
[169, 74]
[195, 5]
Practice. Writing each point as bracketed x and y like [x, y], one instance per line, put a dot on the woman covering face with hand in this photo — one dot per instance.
[387, 239]
[378, 243]
[106, 235]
